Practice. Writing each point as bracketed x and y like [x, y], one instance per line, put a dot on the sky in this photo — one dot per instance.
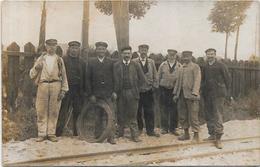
[180, 25]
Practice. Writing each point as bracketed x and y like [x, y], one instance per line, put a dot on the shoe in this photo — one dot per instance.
[136, 139]
[40, 139]
[196, 137]
[175, 133]
[185, 136]
[111, 140]
[210, 138]
[153, 134]
[163, 132]
[218, 143]
[52, 138]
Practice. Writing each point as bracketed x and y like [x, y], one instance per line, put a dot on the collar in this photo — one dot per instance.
[142, 59]
[101, 60]
[126, 62]
[211, 63]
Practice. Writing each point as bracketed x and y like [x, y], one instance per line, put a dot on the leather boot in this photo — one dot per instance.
[111, 140]
[52, 138]
[210, 138]
[41, 138]
[185, 136]
[218, 143]
[196, 137]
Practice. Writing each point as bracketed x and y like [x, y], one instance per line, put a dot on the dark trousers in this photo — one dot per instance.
[214, 114]
[127, 112]
[145, 110]
[72, 101]
[169, 113]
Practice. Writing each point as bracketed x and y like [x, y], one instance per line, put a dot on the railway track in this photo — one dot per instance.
[146, 155]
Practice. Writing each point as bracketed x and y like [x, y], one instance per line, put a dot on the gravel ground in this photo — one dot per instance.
[15, 151]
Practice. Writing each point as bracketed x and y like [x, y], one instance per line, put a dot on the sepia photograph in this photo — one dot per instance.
[130, 82]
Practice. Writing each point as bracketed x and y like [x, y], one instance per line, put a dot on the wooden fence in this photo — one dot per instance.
[16, 82]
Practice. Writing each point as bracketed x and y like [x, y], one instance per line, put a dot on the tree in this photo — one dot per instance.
[123, 11]
[239, 10]
[223, 19]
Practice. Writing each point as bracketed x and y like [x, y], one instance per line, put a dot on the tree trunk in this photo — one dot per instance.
[226, 45]
[121, 22]
[85, 25]
[236, 45]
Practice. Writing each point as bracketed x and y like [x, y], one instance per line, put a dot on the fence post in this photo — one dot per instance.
[27, 86]
[13, 77]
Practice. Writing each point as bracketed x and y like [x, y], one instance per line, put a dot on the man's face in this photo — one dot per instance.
[101, 51]
[74, 51]
[143, 52]
[171, 56]
[211, 55]
[51, 49]
[127, 55]
[186, 59]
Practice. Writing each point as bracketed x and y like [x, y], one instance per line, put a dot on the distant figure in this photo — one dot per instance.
[216, 86]
[146, 101]
[100, 83]
[128, 80]
[168, 73]
[187, 91]
[72, 102]
[50, 75]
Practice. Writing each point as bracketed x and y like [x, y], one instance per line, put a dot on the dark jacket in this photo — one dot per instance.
[216, 80]
[99, 78]
[136, 77]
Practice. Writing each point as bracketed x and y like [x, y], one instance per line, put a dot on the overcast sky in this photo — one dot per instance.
[180, 25]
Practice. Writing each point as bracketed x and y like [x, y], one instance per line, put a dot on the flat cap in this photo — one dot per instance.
[210, 49]
[187, 53]
[51, 42]
[74, 43]
[172, 50]
[104, 44]
[144, 46]
[126, 48]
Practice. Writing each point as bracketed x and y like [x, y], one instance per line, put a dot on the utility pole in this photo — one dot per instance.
[41, 46]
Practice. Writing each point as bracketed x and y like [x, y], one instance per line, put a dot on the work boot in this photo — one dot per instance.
[52, 138]
[40, 138]
[210, 138]
[111, 140]
[163, 132]
[136, 139]
[218, 143]
[153, 134]
[185, 136]
[196, 137]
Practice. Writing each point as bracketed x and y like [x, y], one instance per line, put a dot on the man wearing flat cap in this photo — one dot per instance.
[49, 74]
[216, 87]
[146, 101]
[100, 83]
[71, 104]
[128, 80]
[168, 73]
[187, 92]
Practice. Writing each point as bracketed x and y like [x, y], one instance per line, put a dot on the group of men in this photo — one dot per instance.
[127, 85]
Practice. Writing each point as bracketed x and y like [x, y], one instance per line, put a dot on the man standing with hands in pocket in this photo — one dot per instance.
[49, 74]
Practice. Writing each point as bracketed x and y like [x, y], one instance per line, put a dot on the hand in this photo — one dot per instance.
[92, 99]
[39, 66]
[61, 95]
[175, 98]
[114, 96]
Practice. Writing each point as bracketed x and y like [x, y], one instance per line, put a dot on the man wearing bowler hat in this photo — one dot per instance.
[216, 87]
[100, 83]
[146, 101]
[71, 104]
[187, 91]
[49, 74]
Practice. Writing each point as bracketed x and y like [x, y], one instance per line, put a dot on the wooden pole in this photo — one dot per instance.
[41, 46]
[85, 25]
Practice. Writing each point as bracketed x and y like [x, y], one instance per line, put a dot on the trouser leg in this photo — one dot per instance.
[218, 104]
[113, 127]
[210, 115]
[140, 113]
[148, 111]
[193, 111]
[76, 103]
[164, 110]
[54, 107]
[183, 112]
[42, 102]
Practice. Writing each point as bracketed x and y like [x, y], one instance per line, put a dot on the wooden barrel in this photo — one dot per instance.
[95, 121]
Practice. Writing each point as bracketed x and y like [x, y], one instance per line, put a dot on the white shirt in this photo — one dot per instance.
[171, 64]
[101, 60]
[126, 62]
[50, 60]
[143, 61]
